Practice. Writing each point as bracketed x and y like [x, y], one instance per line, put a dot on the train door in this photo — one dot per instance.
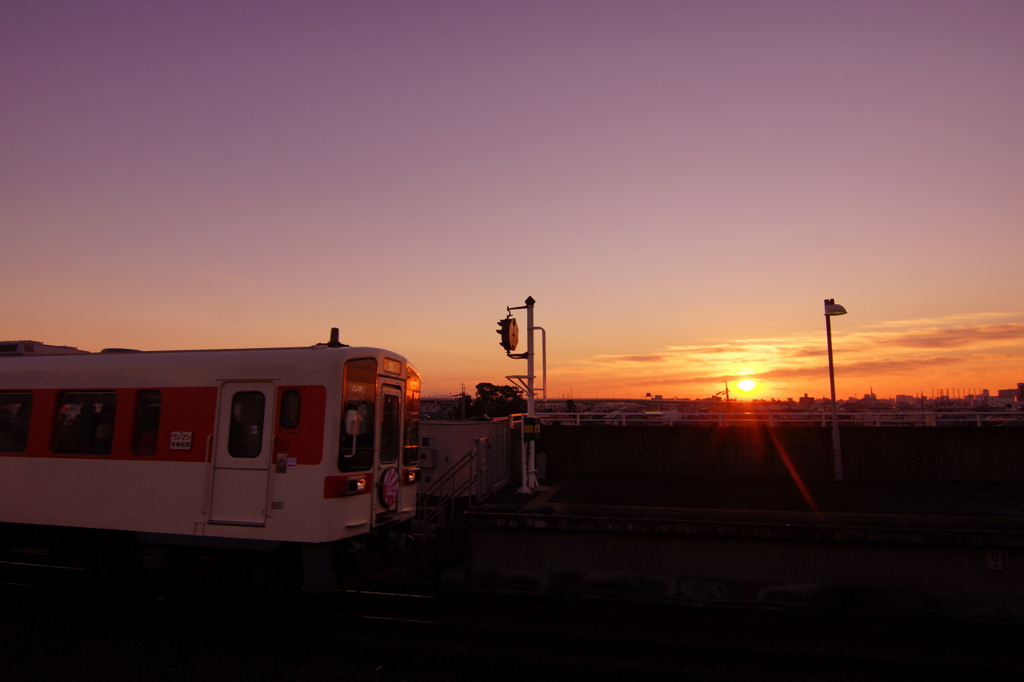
[389, 473]
[242, 456]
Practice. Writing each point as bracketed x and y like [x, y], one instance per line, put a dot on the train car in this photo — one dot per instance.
[241, 448]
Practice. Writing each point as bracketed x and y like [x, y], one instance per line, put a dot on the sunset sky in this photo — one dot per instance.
[678, 184]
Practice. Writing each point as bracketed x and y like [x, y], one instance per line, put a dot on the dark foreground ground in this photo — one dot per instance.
[97, 635]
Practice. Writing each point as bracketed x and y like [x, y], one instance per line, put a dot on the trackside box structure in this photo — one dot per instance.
[308, 445]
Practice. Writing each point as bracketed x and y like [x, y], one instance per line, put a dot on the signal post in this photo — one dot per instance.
[509, 331]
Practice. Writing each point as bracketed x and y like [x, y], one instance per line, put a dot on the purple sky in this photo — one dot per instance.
[664, 178]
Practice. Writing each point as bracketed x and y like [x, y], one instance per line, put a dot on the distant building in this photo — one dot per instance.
[1013, 393]
[1002, 403]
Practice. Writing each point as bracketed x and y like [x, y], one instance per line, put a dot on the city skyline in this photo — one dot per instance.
[679, 185]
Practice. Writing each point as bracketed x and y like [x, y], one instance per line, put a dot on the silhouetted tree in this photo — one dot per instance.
[498, 401]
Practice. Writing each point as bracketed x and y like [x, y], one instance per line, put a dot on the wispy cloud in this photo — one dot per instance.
[902, 359]
[651, 357]
[869, 367]
[809, 353]
[945, 320]
[962, 336]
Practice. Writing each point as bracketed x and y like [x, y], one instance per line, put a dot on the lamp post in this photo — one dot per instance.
[832, 308]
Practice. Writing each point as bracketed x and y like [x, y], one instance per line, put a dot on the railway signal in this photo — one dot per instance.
[509, 331]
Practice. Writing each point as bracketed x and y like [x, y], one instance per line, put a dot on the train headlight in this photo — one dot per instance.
[357, 485]
[411, 476]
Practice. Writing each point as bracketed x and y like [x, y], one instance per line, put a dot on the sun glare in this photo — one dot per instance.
[746, 385]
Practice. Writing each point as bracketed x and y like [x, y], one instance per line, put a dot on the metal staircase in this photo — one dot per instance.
[437, 504]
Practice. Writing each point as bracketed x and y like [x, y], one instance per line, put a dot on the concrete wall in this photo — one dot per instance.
[758, 451]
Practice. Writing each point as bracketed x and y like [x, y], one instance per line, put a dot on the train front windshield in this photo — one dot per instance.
[355, 447]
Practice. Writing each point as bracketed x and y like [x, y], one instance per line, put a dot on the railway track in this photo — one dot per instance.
[401, 631]
[717, 631]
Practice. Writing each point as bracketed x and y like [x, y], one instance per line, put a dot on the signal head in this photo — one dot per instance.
[509, 330]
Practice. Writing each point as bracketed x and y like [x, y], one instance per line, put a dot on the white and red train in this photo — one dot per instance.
[253, 447]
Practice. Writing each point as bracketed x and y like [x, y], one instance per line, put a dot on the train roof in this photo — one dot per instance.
[75, 352]
[125, 367]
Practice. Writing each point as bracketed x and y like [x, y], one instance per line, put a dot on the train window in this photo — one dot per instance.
[355, 447]
[85, 423]
[245, 439]
[390, 429]
[410, 454]
[15, 411]
[290, 402]
[147, 423]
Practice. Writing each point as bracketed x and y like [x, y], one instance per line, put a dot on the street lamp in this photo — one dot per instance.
[832, 308]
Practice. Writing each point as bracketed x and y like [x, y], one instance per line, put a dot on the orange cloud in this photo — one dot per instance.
[895, 361]
[654, 357]
[962, 336]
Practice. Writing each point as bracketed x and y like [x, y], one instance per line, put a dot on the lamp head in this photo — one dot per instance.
[833, 308]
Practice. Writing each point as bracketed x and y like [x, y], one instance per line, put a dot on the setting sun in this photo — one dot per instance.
[746, 385]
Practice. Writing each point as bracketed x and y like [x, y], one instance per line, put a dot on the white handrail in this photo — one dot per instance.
[773, 418]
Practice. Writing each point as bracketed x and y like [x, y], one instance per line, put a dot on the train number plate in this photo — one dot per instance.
[181, 440]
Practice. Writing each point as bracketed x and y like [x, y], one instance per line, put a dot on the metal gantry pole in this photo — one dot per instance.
[543, 360]
[531, 395]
